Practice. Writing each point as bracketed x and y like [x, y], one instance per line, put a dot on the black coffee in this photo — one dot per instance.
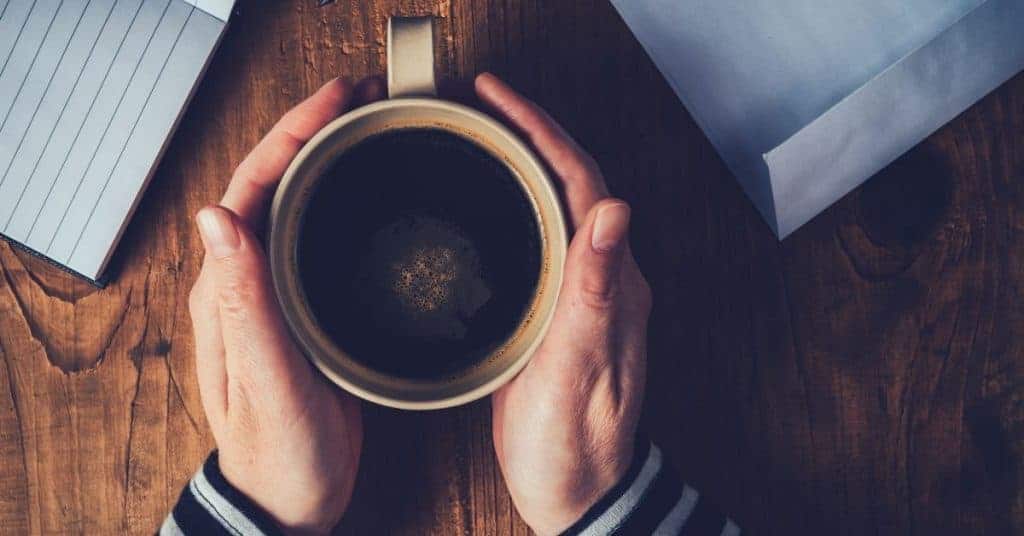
[419, 253]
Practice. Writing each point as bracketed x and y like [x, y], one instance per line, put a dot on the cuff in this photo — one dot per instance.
[210, 505]
[650, 499]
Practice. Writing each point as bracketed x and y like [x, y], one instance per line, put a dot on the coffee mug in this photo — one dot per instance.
[412, 104]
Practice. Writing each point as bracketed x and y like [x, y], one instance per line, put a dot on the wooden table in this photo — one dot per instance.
[863, 376]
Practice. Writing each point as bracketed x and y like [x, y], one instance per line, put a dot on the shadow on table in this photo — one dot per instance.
[393, 488]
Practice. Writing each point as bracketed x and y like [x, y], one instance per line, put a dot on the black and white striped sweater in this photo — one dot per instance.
[650, 499]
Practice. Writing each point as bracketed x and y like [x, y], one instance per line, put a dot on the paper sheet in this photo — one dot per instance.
[755, 73]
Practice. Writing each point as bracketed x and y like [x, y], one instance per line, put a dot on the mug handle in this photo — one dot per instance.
[411, 57]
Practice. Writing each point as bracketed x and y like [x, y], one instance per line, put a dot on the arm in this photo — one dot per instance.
[649, 499]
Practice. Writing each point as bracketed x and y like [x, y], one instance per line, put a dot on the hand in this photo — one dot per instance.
[564, 429]
[286, 438]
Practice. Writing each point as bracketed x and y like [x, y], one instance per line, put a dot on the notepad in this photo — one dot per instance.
[90, 93]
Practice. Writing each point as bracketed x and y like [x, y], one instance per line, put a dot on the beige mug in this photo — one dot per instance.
[412, 103]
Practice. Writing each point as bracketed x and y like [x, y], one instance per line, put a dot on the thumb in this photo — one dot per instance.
[597, 253]
[256, 340]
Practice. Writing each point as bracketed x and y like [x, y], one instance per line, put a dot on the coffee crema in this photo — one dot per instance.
[419, 252]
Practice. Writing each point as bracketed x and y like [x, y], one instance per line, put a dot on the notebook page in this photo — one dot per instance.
[89, 96]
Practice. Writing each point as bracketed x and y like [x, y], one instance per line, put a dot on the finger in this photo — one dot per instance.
[580, 176]
[256, 177]
[257, 346]
[369, 90]
[596, 256]
[209, 350]
[582, 327]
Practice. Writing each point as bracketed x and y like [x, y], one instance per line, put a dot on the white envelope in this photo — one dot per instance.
[806, 99]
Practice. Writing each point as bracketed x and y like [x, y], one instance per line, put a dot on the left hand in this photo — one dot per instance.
[564, 428]
[287, 439]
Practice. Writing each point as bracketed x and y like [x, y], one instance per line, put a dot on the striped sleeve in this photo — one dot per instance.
[211, 505]
[651, 499]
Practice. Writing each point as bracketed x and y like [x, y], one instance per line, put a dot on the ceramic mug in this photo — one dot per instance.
[412, 103]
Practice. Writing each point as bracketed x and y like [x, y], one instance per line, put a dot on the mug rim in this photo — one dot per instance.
[321, 350]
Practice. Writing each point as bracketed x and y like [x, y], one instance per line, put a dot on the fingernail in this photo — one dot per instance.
[218, 232]
[610, 227]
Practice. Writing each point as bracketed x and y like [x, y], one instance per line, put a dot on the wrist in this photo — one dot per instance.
[633, 460]
[589, 485]
[307, 529]
[291, 513]
[227, 504]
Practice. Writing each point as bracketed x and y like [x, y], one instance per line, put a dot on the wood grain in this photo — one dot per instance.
[863, 376]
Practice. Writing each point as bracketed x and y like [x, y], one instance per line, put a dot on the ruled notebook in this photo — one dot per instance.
[90, 93]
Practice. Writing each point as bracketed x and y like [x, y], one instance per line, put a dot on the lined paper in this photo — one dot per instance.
[90, 92]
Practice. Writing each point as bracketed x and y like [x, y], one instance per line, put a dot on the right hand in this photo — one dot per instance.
[564, 429]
